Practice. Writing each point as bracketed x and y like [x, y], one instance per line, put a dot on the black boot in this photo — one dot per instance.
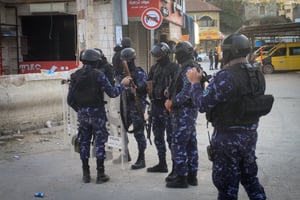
[178, 182]
[172, 175]
[101, 176]
[192, 179]
[126, 158]
[140, 163]
[160, 167]
[86, 177]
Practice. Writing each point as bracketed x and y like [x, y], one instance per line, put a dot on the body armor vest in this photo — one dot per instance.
[247, 102]
[87, 92]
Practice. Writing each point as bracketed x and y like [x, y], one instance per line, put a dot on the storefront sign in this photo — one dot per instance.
[151, 18]
[210, 35]
[49, 66]
[135, 8]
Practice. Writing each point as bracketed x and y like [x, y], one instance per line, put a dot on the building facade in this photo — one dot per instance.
[39, 35]
[207, 17]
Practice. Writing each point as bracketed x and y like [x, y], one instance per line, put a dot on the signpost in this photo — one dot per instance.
[151, 18]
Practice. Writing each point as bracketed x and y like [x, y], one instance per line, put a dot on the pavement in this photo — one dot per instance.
[57, 173]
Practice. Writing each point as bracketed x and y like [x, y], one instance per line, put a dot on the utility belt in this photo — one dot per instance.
[237, 129]
[188, 103]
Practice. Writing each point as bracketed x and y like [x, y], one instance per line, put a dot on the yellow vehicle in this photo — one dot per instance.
[283, 56]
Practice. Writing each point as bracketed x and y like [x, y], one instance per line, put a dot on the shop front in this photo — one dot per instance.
[143, 36]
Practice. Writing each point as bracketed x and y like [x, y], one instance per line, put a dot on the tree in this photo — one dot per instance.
[231, 16]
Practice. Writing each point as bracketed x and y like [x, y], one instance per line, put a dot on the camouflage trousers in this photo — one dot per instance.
[234, 163]
[92, 123]
[161, 123]
[184, 141]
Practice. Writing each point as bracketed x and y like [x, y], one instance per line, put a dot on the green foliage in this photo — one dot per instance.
[231, 16]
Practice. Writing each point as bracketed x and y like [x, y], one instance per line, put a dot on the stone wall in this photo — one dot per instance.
[29, 101]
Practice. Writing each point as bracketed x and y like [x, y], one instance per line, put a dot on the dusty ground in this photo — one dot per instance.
[31, 142]
[42, 162]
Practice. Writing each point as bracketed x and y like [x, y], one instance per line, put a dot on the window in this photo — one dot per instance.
[294, 51]
[262, 10]
[280, 52]
[206, 22]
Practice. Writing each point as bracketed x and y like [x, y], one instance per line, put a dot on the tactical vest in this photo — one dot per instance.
[163, 75]
[87, 92]
[247, 102]
[177, 83]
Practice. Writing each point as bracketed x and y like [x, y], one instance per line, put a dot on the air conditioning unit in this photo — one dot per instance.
[47, 7]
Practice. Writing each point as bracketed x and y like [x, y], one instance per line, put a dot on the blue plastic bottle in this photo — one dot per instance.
[39, 194]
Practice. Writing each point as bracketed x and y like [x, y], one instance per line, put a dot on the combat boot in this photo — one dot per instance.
[172, 175]
[101, 176]
[192, 179]
[126, 158]
[178, 182]
[160, 167]
[86, 177]
[140, 163]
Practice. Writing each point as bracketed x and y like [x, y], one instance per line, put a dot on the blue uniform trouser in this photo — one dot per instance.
[92, 121]
[184, 141]
[234, 163]
[161, 122]
[137, 120]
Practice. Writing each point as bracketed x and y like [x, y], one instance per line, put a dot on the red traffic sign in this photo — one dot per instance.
[151, 18]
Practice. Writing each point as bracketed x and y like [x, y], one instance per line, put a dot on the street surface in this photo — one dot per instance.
[57, 171]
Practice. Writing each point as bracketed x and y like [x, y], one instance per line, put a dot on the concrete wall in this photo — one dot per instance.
[29, 101]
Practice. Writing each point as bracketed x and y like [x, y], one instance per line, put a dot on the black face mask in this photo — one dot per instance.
[163, 60]
[182, 57]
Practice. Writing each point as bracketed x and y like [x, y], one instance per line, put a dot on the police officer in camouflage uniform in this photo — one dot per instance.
[184, 115]
[235, 136]
[159, 78]
[135, 103]
[85, 96]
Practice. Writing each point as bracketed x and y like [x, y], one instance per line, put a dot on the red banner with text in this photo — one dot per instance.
[48, 67]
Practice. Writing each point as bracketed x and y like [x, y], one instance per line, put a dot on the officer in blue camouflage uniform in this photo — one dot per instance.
[136, 95]
[234, 139]
[85, 96]
[159, 78]
[184, 115]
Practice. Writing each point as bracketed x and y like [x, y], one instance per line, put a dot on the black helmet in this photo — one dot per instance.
[90, 55]
[160, 50]
[101, 53]
[184, 51]
[126, 42]
[234, 46]
[128, 54]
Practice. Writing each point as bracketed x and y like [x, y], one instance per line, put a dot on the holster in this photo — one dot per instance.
[210, 153]
[76, 143]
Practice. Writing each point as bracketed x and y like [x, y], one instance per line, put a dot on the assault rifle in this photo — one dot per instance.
[136, 97]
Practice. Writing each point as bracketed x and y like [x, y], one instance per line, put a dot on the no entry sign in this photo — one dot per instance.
[151, 18]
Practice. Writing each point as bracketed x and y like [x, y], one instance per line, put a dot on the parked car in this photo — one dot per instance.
[202, 57]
